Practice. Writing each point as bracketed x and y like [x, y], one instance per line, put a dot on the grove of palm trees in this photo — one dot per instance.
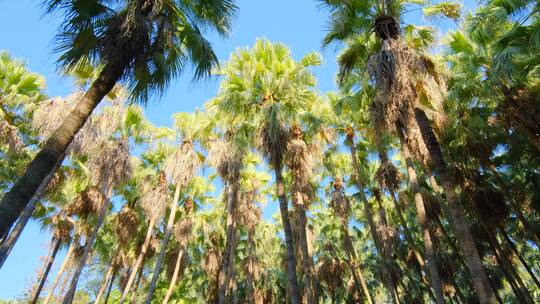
[415, 179]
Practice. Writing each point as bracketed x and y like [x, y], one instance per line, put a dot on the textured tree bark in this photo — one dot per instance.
[422, 219]
[294, 291]
[105, 283]
[177, 271]
[307, 260]
[459, 221]
[163, 246]
[224, 273]
[138, 262]
[60, 272]
[250, 287]
[390, 286]
[68, 298]
[356, 270]
[115, 272]
[14, 202]
[9, 242]
[50, 261]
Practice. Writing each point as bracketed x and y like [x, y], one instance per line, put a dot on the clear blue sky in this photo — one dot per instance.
[27, 35]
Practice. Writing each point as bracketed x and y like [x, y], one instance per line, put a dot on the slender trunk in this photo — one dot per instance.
[68, 298]
[307, 260]
[163, 245]
[136, 287]
[115, 272]
[356, 270]
[9, 242]
[224, 274]
[520, 290]
[50, 260]
[105, 283]
[14, 202]
[250, 279]
[60, 271]
[138, 262]
[390, 286]
[178, 264]
[521, 259]
[459, 221]
[294, 291]
[429, 251]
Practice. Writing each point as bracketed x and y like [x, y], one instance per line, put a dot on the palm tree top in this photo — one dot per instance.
[155, 39]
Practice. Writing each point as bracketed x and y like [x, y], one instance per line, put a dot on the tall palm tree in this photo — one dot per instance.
[267, 86]
[145, 43]
[111, 168]
[180, 167]
[392, 64]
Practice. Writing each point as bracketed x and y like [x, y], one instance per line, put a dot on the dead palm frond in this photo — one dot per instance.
[9, 135]
[247, 212]
[272, 140]
[387, 175]
[182, 231]
[183, 164]
[126, 225]
[153, 201]
[339, 202]
[299, 161]
[112, 166]
[87, 202]
[62, 227]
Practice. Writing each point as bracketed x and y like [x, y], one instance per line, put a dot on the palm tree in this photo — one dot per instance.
[62, 227]
[146, 43]
[265, 84]
[180, 167]
[392, 65]
[341, 206]
[111, 168]
[153, 203]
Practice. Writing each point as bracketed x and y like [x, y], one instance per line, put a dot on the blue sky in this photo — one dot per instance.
[28, 35]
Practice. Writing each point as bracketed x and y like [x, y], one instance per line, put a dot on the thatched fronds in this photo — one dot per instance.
[183, 164]
[126, 225]
[226, 159]
[86, 203]
[212, 263]
[189, 206]
[154, 200]
[387, 175]
[339, 201]
[182, 231]
[62, 227]
[272, 140]
[330, 272]
[51, 113]
[112, 166]
[56, 180]
[170, 261]
[247, 212]
[300, 163]
[9, 135]
[491, 206]
[388, 235]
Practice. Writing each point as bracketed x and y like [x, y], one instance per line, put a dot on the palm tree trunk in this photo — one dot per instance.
[68, 298]
[434, 277]
[177, 271]
[356, 270]
[138, 262]
[60, 272]
[294, 291]
[14, 202]
[224, 274]
[9, 242]
[459, 221]
[519, 288]
[105, 283]
[115, 272]
[307, 260]
[521, 259]
[50, 260]
[250, 279]
[390, 286]
[163, 245]
[136, 286]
